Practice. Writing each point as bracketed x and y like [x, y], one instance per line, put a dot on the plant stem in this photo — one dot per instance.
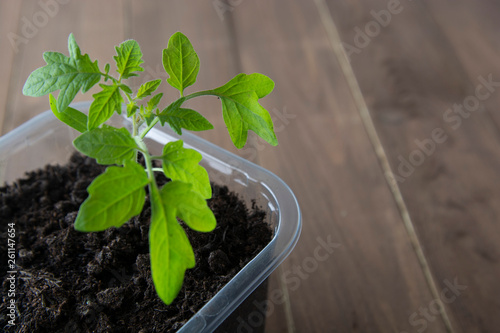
[143, 133]
[156, 157]
[147, 158]
[134, 125]
[109, 77]
[134, 134]
[199, 93]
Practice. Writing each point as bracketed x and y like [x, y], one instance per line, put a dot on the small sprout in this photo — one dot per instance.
[119, 193]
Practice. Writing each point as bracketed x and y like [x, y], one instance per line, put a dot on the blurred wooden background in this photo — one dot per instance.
[387, 115]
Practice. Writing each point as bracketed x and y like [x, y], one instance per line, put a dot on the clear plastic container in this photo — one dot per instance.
[45, 140]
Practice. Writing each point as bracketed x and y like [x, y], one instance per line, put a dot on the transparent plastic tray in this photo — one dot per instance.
[45, 140]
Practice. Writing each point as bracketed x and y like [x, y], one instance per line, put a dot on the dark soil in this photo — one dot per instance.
[69, 281]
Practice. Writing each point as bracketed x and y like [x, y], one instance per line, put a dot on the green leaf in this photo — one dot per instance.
[125, 88]
[73, 48]
[128, 58]
[179, 118]
[170, 250]
[182, 164]
[189, 206]
[148, 88]
[115, 197]
[131, 108]
[241, 109]
[149, 119]
[185, 118]
[180, 62]
[105, 103]
[67, 74]
[54, 58]
[70, 116]
[154, 101]
[107, 145]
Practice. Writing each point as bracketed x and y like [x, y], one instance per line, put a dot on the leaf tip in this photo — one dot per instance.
[80, 224]
[26, 89]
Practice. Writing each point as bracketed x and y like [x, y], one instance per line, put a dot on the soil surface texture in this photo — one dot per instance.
[68, 281]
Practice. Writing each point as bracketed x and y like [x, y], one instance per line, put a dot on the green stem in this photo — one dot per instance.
[199, 93]
[143, 134]
[109, 77]
[147, 158]
[156, 157]
[134, 126]
[134, 134]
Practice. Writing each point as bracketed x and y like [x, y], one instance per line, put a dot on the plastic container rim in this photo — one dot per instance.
[258, 269]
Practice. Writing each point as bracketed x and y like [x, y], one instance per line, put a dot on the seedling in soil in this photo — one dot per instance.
[119, 193]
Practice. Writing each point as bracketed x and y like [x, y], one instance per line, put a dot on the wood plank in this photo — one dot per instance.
[411, 73]
[477, 46]
[10, 43]
[372, 280]
[86, 20]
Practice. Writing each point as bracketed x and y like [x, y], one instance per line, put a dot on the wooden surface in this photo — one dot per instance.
[406, 192]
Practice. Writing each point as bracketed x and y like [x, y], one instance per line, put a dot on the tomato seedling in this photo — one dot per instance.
[119, 193]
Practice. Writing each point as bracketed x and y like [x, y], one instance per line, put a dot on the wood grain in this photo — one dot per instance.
[85, 21]
[10, 44]
[450, 192]
[328, 160]
[478, 46]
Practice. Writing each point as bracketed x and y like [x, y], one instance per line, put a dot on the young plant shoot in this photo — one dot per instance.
[119, 193]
